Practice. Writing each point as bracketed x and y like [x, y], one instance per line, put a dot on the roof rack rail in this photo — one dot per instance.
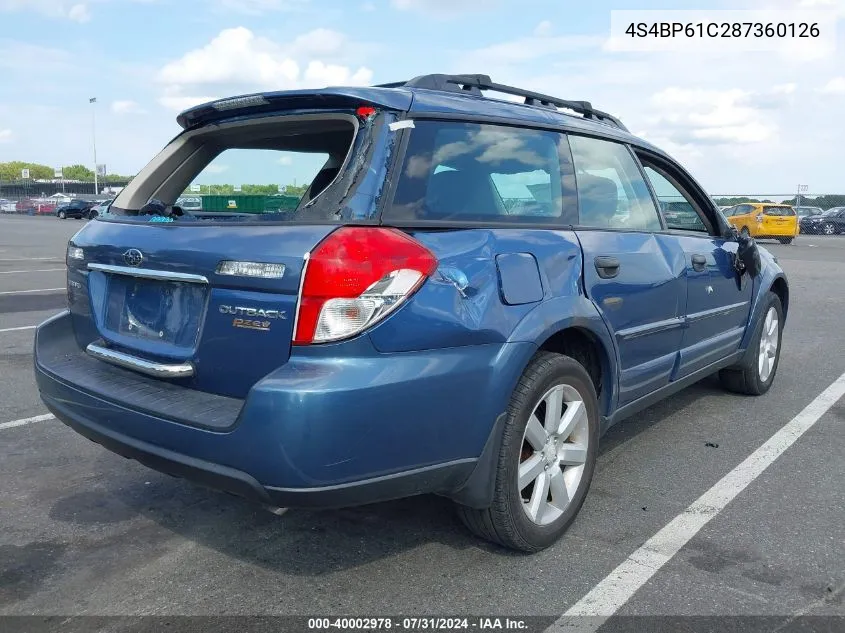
[474, 84]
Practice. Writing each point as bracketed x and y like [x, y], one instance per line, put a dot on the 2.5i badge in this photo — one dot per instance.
[252, 318]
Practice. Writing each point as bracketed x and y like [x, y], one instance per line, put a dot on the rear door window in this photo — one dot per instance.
[611, 190]
[478, 173]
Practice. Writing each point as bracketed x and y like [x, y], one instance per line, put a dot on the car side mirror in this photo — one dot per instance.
[747, 255]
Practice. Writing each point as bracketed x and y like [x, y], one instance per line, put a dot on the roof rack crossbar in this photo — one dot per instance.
[474, 84]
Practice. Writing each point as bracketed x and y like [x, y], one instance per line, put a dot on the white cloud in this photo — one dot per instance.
[319, 74]
[835, 86]
[18, 56]
[5, 136]
[527, 49]
[319, 43]
[68, 9]
[237, 61]
[235, 55]
[710, 116]
[126, 107]
[47, 8]
[58, 9]
[180, 103]
[79, 13]
[543, 29]
[443, 8]
[259, 7]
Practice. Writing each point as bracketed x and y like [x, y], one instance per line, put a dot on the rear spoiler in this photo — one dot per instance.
[271, 102]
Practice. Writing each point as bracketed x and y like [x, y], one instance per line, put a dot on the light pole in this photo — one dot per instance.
[93, 102]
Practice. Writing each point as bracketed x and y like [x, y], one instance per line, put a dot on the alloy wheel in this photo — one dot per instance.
[554, 451]
[768, 345]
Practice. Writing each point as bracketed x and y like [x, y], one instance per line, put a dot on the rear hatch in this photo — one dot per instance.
[211, 303]
[779, 220]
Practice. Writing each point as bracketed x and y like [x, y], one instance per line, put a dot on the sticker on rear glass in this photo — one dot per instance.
[401, 125]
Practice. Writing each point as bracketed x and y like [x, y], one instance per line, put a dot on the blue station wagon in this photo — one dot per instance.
[470, 292]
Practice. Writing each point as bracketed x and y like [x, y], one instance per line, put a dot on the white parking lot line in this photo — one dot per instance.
[37, 418]
[18, 329]
[29, 259]
[37, 270]
[607, 597]
[20, 292]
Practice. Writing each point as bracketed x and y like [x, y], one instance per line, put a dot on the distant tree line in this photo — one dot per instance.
[11, 172]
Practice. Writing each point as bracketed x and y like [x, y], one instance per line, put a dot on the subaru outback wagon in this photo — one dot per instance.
[469, 294]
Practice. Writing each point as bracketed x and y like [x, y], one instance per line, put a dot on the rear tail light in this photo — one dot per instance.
[355, 278]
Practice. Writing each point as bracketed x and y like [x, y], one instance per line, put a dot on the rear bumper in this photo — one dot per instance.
[791, 231]
[441, 478]
[315, 433]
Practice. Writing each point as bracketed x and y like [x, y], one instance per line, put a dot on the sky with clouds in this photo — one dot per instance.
[755, 122]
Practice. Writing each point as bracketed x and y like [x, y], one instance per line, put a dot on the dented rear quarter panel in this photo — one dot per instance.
[440, 315]
[500, 291]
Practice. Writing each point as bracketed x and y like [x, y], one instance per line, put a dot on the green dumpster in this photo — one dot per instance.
[246, 203]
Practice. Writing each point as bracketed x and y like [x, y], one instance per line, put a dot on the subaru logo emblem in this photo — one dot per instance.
[133, 257]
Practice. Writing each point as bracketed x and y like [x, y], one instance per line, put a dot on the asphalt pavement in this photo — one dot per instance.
[85, 532]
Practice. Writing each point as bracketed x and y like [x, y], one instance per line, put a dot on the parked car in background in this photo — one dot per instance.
[681, 215]
[764, 220]
[74, 209]
[45, 206]
[26, 205]
[804, 212]
[7, 206]
[831, 222]
[383, 341]
[99, 209]
[189, 203]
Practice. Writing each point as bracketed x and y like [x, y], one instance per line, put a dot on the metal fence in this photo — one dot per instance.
[33, 197]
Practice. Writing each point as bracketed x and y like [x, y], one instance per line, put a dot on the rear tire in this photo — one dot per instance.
[829, 229]
[62, 215]
[755, 376]
[785, 240]
[557, 453]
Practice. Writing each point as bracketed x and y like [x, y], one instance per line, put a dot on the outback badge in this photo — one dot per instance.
[252, 318]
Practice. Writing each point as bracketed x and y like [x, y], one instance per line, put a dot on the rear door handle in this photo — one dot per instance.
[607, 267]
[699, 262]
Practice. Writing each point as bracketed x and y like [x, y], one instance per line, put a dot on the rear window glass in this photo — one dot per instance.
[779, 211]
[256, 169]
[253, 181]
[473, 172]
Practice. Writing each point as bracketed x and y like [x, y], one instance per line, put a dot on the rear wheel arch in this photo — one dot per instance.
[781, 289]
[584, 346]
